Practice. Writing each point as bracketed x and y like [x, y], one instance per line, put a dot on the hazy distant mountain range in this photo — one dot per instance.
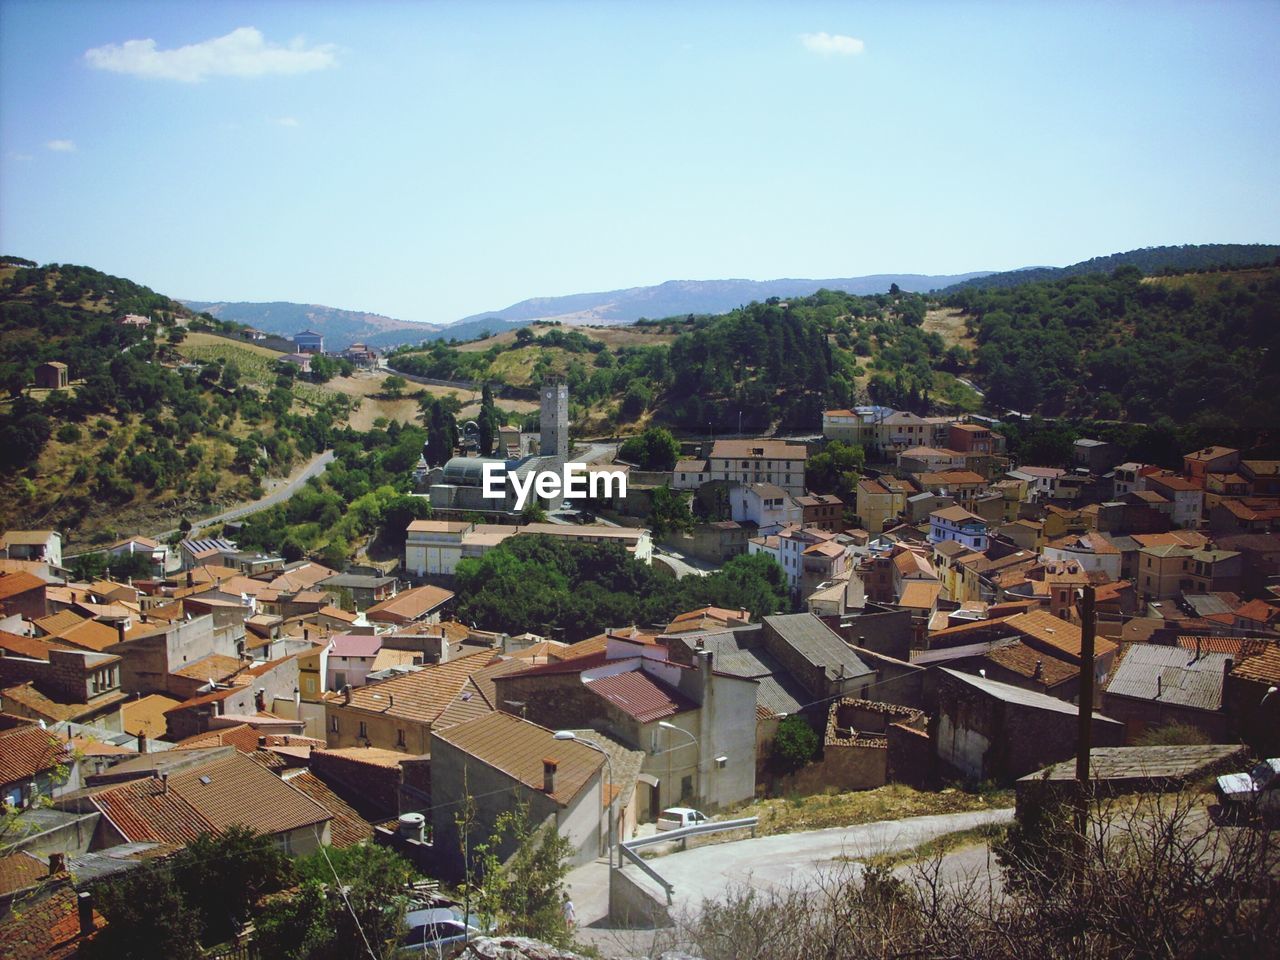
[673, 298]
[680, 297]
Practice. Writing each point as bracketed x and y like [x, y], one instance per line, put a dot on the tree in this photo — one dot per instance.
[670, 512]
[655, 449]
[394, 386]
[794, 745]
[488, 421]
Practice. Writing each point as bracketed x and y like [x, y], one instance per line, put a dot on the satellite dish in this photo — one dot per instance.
[471, 431]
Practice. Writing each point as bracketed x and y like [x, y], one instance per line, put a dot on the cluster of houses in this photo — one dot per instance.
[309, 344]
[940, 639]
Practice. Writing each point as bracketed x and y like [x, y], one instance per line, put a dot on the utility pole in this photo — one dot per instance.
[1088, 626]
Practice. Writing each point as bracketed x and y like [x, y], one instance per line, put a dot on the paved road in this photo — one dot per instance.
[797, 859]
[765, 863]
[314, 467]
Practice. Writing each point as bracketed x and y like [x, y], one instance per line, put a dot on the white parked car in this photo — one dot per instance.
[673, 818]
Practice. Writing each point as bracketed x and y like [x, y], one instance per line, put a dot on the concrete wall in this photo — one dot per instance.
[980, 737]
[635, 900]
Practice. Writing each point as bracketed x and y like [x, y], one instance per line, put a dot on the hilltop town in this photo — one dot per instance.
[923, 627]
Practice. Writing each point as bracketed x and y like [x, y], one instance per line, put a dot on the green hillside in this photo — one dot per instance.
[142, 436]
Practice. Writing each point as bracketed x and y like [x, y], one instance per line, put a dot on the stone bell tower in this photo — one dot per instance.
[555, 420]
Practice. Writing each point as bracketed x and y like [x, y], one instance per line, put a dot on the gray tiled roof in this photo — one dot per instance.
[1171, 675]
[1026, 698]
[818, 644]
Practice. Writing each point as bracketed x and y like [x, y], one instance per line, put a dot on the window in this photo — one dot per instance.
[364, 731]
[686, 787]
[399, 738]
[333, 723]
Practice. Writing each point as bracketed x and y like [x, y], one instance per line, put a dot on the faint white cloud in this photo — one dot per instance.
[243, 52]
[20, 157]
[287, 121]
[829, 44]
[62, 146]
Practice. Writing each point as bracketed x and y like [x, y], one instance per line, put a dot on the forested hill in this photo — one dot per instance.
[141, 434]
[1150, 260]
[1199, 352]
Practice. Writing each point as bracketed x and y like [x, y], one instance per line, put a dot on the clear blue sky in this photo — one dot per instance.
[432, 160]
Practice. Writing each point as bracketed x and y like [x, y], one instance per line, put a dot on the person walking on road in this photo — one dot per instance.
[570, 915]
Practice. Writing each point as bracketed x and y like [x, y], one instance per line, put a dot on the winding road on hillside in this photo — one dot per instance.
[313, 468]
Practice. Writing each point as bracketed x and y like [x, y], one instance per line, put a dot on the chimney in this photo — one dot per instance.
[262, 741]
[142, 741]
[120, 629]
[191, 578]
[391, 700]
[84, 901]
[549, 775]
[57, 863]
[1197, 650]
[346, 694]
[1039, 674]
[1159, 687]
[164, 782]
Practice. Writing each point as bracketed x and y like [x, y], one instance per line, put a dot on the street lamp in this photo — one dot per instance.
[665, 725]
[570, 735]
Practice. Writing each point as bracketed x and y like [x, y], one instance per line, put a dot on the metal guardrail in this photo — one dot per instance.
[647, 870]
[711, 826]
[627, 849]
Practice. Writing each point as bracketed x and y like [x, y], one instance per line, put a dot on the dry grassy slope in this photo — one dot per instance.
[948, 323]
[1201, 283]
[612, 337]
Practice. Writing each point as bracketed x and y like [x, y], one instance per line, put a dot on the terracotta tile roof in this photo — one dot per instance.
[238, 792]
[214, 667]
[768, 449]
[34, 647]
[957, 515]
[585, 648]
[1259, 611]
[1263, 667]
[91, 635]
[640, 696]
[387, 657]
[301, 577]
[35, 702]
[1022, 660]
[517, 748]
[336, 613]
[12, 584]
[26, 751]
[146, 715]
[47, 929]
[1042, 626]
[355, 645]
[88, 747]
[372, 756]
[920, 594]
[143, 811]
[410, 604]
[910, 563]
[1236, 646]
[247, 739]
[347, 827]
[59, 621]
[419, 697]
[950, 478]
[18, 871]
[1209, 453]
